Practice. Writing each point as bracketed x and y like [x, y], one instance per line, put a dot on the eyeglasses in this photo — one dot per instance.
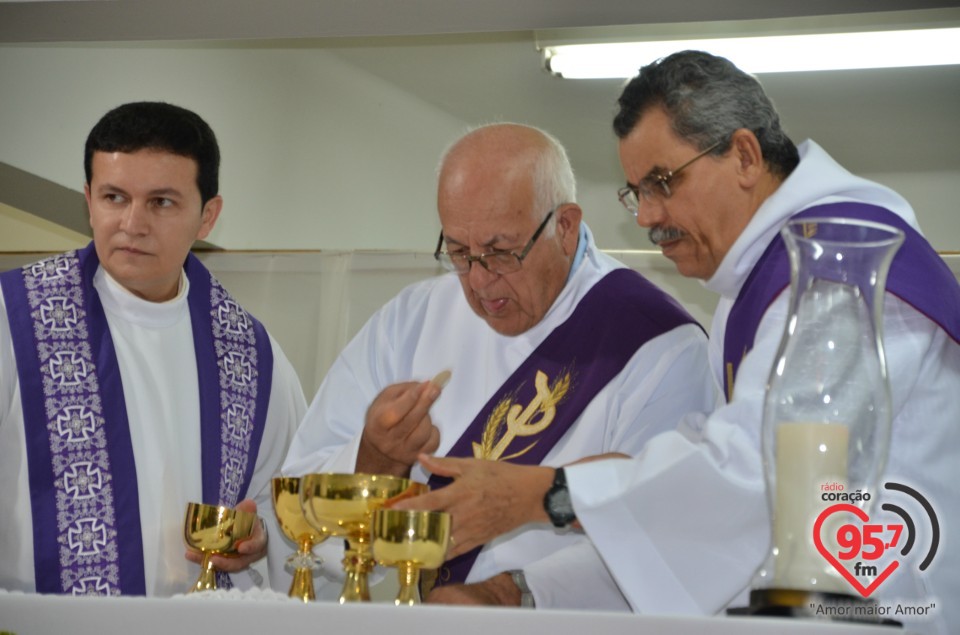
[654, 185]
[498, 262]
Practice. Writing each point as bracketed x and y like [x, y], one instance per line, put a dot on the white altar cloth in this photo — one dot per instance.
[29, 614]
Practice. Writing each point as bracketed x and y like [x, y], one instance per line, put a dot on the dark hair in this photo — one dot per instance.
[150, 125]
[707, 99]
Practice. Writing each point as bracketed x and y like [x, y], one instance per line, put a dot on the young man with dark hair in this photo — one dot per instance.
[131, 382]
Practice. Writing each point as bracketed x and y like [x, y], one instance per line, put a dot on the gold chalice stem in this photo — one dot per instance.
[302, 585]
[357, 563]
[409, 583]
[208, 575]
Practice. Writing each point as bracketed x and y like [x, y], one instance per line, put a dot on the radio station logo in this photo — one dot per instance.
[865, 551]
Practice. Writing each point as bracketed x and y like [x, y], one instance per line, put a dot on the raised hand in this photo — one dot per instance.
[398, 428]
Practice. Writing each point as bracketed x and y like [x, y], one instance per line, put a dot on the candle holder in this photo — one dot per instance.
[827, 412]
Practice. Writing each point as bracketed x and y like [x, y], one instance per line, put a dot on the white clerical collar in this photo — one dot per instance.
[118, 301]
[582, 239]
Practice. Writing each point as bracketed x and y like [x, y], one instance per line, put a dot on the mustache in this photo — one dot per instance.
[659, 235]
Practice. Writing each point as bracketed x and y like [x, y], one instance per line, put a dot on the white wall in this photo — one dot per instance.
[316, 155]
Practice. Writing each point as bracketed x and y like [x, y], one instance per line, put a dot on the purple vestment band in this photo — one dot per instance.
[84, 497]
[918, 276]
[545, 396]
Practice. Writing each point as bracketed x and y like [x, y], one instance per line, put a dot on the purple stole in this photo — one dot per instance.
[918, 276]
[86, 519]
[545, 396]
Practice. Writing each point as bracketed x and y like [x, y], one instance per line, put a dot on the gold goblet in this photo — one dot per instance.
[343, 505]
[286, 505]
[410, 540]
[214, 530]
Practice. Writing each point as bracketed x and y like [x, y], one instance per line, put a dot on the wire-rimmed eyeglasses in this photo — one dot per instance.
[654, 185]
[498, 262]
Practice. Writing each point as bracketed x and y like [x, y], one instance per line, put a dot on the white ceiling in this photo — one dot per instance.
[476, 59]
[87, 20]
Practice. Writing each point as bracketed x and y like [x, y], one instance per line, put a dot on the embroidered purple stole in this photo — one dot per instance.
[918, 276]
[83, 485]
[545, 396]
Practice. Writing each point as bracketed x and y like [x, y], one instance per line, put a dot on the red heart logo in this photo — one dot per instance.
[865, 591]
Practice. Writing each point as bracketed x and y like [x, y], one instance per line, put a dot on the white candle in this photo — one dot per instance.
[809, 456]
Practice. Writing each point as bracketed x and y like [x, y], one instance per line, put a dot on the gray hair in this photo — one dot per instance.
[553, 181]
[707, 98]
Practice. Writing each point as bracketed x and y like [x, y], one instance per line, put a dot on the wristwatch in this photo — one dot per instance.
[557, 503]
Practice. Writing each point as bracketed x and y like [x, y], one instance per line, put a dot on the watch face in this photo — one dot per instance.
[561, 501]
[560, 509]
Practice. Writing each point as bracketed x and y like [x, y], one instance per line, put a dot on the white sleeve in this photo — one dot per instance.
[683, 526]
[574, 578]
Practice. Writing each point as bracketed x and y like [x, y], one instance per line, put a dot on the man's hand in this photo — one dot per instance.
[248, 551]
[485, 500]
[497, 591]
[398, 428]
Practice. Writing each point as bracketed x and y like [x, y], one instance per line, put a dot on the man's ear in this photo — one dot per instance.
[209, 216]
[746, 150]
[569, 216]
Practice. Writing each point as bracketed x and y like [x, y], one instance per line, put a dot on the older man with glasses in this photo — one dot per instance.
[555, 350]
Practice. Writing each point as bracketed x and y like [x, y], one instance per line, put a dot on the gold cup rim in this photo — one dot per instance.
[412, 536]
[368, 491]
[223, 509]
[407, 487]
[244, 521]
[411, 513]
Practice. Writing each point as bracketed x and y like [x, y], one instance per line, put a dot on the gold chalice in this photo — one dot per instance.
[214, 530]
[410, 540]
[286, 504]
[343, 505]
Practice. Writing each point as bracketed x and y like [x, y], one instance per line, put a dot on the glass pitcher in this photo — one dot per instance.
[827, 413]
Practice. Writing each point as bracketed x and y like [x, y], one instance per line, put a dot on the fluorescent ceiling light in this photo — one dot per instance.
[766, 54]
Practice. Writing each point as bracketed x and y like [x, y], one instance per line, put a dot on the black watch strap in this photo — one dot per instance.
[559, 478]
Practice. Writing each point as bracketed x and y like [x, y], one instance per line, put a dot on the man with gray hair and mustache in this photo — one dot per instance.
[555, 350]
[713, 175]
